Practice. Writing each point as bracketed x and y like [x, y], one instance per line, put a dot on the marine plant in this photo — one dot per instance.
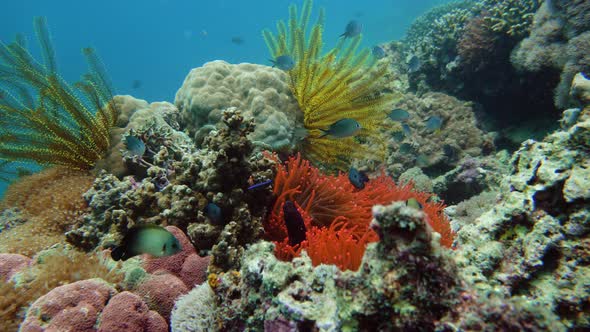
[337, 215]
[342, 83]
[45, 120]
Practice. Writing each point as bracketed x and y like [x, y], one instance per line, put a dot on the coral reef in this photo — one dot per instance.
[67, 125]
[156, 124]
[49, 203]
[176, 188]
[195, 311]
[533, 242]
[426, 149]
[336, 214]
[393, 288]
[260, 92]
[126, 312]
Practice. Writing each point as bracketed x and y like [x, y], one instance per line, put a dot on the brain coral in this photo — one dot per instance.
[260, 92]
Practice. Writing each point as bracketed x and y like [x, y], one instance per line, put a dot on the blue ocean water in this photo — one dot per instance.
[148, 47]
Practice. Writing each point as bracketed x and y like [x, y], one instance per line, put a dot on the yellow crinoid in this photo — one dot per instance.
[45, 120]
[342, 83]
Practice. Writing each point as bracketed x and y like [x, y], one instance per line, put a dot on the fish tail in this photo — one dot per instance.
[324, 133]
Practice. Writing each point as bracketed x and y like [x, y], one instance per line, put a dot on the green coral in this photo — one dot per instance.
[59, 124]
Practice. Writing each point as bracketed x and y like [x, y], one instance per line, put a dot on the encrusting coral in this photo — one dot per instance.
[339, 84]
[67, 126]
[49, 203]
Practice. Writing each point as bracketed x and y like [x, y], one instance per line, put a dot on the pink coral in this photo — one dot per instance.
[74, 307]
[160, 290]
[127, 312]
[11, 264]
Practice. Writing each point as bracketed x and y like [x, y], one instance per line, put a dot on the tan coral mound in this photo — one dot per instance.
[51, 201]
[259, 92]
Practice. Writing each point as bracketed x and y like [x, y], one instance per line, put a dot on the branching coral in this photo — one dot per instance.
[66, 126]
[331, 87]
[337, 215]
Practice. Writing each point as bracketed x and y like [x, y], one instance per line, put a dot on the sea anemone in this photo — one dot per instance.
[336, 214]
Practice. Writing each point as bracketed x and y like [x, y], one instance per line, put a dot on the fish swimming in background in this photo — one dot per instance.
[353, 29]
[378, 52]
[260, 185]
[406, 129]
[136, 84]
[283, 62]
[295, 224]
[237, 40]
[342, 128]
[434, 123]
[146, 239]
[398, 136]
[414, 64]
[399, 115]
[357, 178]
[213, 212]
[406, 148]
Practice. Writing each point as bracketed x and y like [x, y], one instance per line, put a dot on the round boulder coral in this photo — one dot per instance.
[260, 92]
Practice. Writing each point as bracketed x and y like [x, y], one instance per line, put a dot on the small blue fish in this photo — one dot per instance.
[399, 115]
[434, 123]
[146, 239]
[259, 185]
[406, 129]
[353, 29]
[342, 128]
[213, 212]
[414, 64]
[135, 146]
[406, 148]
[398, 136]
[357, 178]
[378, 52]
[296, 230]
[283, 62]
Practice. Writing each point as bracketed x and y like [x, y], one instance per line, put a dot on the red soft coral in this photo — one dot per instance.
[336, 214]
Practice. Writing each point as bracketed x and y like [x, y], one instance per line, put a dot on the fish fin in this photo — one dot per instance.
[324, 133]
[274, 63]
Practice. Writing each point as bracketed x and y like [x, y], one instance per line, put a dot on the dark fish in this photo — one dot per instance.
[259, 185]
[414, 64]
[353, 29]
[406, 129]
[450, 152]
[342, 128]
[135, 146]
[213, 212]
[406, 148]
[136, 84]
[237, 40]
[357, 178]
[434, 123]
[398, 136]
[295, 224]
[399, 114]
[378, 52]
[146, 239]
[283, 62]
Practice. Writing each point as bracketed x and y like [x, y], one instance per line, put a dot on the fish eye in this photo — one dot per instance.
[164, 247]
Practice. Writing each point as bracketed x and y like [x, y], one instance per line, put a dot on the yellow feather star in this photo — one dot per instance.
[340, 84]
[66, 126]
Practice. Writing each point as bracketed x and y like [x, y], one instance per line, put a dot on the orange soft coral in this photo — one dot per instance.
[336, 214]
